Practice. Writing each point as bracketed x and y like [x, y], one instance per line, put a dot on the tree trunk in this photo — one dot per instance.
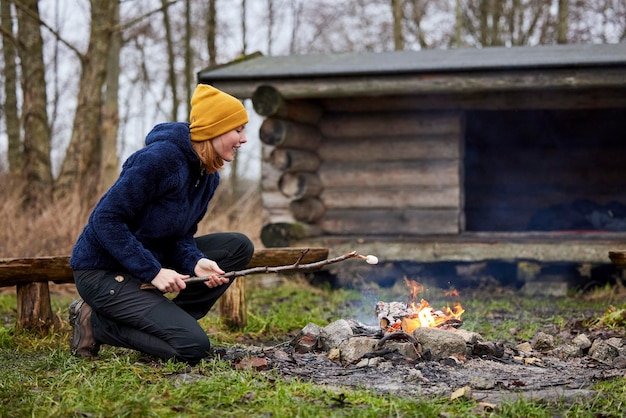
[189, 79]
[37, 164]
[561, 23]
[80, 171]
[11, 114]
[171, 60]
[211, 31]
[270, 26]
[110, 111]
[244, 31]
[398, 39]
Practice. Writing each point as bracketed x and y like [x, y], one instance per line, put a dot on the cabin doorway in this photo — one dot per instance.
[545, 170]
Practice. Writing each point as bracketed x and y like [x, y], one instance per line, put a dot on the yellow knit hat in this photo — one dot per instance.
[214, 113]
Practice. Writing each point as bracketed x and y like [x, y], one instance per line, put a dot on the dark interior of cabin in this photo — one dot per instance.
[545, 170]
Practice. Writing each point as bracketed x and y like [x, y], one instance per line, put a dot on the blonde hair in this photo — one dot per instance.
[208, 157]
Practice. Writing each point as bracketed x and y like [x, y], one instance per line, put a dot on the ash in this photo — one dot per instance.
[414, 366]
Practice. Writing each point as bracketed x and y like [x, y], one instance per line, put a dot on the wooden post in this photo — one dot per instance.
[33, 306]
[232, 305]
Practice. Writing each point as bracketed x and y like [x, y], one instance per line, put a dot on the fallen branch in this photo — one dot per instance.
[290, 268]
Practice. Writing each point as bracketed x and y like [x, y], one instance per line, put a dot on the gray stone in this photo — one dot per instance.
[602, 351]
[470, 337]
[569, 350]
[619, 362]
[353, 349]
[334, 333]
[406, 349]
[312, 328]
[582, 341]
[542, 341]
[441, 343]
[524, 347]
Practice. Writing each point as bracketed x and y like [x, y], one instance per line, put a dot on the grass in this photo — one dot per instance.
[40, 378]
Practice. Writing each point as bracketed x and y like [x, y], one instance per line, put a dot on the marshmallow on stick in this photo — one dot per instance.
[370, 259]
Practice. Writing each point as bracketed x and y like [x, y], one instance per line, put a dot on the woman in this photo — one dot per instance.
[142, 231]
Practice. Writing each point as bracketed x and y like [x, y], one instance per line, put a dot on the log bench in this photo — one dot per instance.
[31, 277]
[618, 258]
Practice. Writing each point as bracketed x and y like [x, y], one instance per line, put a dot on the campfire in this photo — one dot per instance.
[399, 316]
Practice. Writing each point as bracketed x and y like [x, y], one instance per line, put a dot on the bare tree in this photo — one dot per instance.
[171, 59]
[417, 15]
[189, 81]
[561, 23]
[80, 170]
[37, 164]
[244, 31]
[270, 25]
[110, 109]
[396, 11]
[11, 113]
[211, 19]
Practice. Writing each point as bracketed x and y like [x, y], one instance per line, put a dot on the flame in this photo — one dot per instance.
[424, 315]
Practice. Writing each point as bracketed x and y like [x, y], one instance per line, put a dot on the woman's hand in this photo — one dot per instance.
[169, 281]
[206, 267]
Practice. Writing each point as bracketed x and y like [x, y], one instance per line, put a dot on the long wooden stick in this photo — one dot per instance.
[279, 269]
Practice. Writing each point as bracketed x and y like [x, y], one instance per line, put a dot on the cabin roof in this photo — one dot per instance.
[423, 61]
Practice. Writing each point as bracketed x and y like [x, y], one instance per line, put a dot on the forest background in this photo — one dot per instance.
[83, 81]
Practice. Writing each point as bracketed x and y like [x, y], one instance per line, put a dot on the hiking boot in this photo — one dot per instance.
[82, 344]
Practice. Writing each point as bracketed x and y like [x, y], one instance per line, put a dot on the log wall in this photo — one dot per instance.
[387, 166]
[364, 172]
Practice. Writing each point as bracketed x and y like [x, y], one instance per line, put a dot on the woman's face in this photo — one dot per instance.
[226, 145]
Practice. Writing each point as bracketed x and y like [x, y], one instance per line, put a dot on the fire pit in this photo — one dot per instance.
[394, 316]
[416, 350]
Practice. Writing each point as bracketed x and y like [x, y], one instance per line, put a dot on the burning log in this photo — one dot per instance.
[398, 316]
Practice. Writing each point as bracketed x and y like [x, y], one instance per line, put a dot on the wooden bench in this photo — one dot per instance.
[618, 258]
[31, 276]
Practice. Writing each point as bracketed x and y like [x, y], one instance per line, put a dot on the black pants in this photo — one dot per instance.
[146, 320]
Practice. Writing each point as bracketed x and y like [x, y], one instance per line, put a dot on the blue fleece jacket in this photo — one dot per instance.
[148, 218]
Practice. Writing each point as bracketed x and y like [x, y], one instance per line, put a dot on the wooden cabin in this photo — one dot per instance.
[461, 155]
